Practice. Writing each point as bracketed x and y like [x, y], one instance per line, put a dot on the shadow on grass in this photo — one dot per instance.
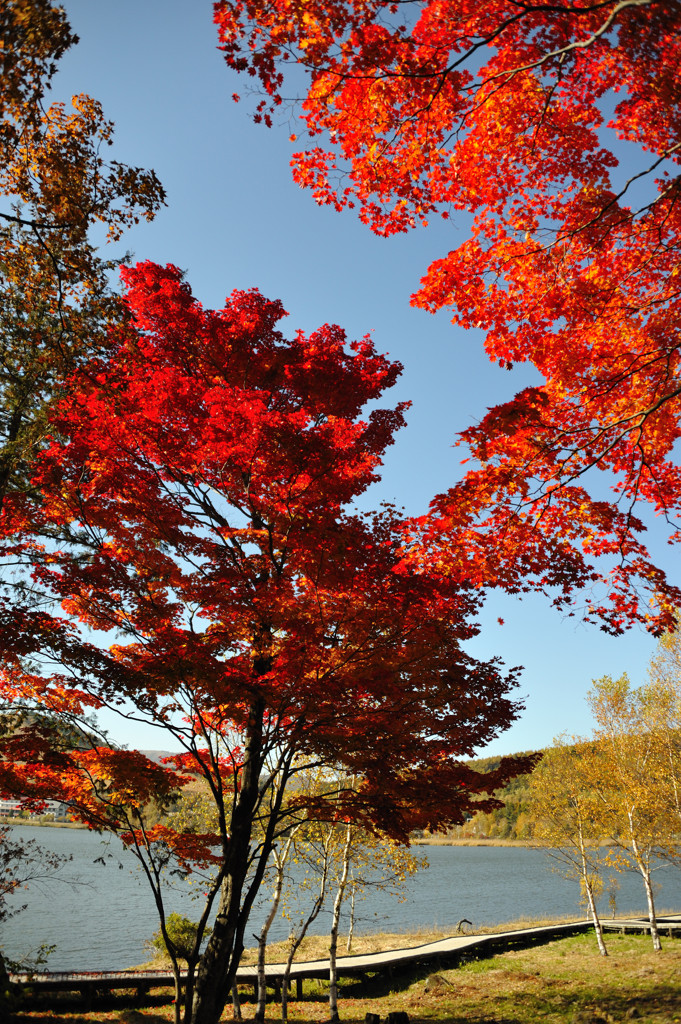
[125, 1017]
[44, 1007]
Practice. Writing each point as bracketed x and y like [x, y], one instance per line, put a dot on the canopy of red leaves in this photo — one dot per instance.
[204, 469]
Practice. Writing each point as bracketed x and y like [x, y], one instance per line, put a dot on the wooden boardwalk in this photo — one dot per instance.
[438, 955]
[444, 953]
[669, 926]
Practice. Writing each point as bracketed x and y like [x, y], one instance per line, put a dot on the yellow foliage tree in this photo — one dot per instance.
[55, 187]
[363, 859]
[567, 814]
[632, 780]
[661, 700]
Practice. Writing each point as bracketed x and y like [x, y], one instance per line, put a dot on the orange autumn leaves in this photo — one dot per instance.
[557, 128]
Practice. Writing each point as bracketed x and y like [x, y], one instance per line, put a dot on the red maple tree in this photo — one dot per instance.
[557, 126]
[202, 475]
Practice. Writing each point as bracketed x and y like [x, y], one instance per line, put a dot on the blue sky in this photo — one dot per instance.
[236, 220]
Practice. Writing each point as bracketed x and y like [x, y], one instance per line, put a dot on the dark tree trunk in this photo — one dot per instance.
[218, 965]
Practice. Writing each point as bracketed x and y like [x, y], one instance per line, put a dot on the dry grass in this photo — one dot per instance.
[316, 947]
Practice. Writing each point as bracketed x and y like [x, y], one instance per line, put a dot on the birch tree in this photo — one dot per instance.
[568, 819]
[313, 848]
[631, 782]
[364, 860]
[661, 714]
[56, 191]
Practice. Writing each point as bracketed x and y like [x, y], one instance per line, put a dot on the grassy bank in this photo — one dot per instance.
[564, 982]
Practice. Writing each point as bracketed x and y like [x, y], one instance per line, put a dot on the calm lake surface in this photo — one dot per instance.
[103, 921]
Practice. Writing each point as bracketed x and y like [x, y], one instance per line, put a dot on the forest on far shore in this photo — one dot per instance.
[513, 820]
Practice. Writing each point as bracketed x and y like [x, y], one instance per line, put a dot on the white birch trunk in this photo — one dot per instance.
[587, 879]
[318, 904]
[335, 920]
[351, 925]
[643, 865]
[280, 861]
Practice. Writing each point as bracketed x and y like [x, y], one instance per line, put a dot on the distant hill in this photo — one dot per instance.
[513, 820]
[157, 755]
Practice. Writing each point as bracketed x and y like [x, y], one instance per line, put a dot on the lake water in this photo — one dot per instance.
[103, 921]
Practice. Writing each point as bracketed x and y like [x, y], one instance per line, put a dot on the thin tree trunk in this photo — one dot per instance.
[598, 927]
[262, 977]
[177, 981]
[335, 920]
[280, 861]
[642, 863]
[314, 913]
[351, 926]
[587, 878]
[236, 1002]
[652, 915]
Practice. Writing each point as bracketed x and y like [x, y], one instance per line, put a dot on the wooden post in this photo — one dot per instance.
[141, 990]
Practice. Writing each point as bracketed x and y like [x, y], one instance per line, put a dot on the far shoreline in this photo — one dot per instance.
[447, 841]
[36, 823]
[422, 841]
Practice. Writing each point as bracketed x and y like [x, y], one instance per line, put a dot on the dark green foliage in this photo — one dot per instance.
[181, 933]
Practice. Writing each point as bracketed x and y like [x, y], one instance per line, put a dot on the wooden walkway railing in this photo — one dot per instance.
[669, 926]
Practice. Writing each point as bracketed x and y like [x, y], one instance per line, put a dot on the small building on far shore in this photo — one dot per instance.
[11, 808]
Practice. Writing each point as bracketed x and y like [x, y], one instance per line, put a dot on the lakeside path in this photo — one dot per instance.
[444, 953]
